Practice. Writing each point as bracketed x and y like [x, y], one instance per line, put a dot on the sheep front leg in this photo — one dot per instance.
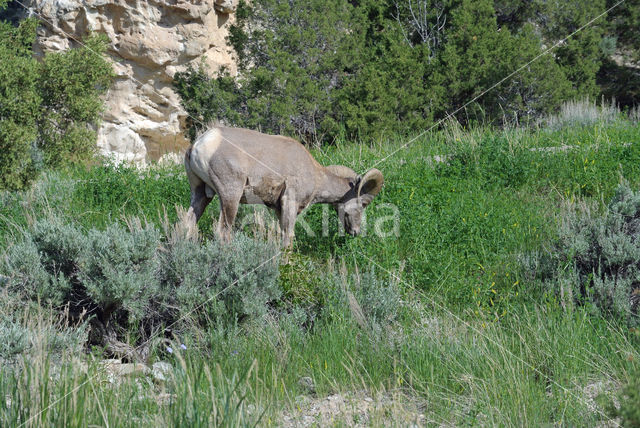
[228, 211]
[287, 216]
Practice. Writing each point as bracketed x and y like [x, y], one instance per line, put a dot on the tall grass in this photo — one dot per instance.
[457, 333]
[538, 367]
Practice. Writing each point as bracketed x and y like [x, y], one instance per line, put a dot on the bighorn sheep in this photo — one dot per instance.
[244, 166]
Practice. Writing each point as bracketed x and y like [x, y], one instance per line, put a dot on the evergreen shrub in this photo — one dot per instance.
[321, 71]
[49, 107]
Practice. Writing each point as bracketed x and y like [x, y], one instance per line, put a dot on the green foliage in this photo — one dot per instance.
[394, 86]
[624, 20]
[19, 105]
[108, 189]
[629, 408]
[105, 188]
[48, 108]
[580, 56]
[208, 99]
[618, 76]
[290, 56]
[70, 85]
[596, 262]
[479, 54]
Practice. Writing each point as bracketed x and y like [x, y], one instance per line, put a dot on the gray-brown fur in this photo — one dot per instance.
[244, 166]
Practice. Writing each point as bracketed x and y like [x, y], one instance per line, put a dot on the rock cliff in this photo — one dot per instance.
[149, 41]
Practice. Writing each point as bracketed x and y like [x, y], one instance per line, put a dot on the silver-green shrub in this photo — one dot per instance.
[365, 298]
[596, 261]
[44, 265]
[28, 329]
[13, 339]
[135, 280]
[379, 299]
[26, 275]
[18, 338]
[226, 282]
[120, 269]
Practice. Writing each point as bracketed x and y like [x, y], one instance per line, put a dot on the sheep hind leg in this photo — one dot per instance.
[200, 197]
[199, 201]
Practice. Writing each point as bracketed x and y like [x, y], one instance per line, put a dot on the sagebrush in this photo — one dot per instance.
[596, 260]
[132, 280]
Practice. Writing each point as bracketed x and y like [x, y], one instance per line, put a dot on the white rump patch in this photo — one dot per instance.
[203, 150]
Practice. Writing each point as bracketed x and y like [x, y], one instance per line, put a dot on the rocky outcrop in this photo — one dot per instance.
[149, 41]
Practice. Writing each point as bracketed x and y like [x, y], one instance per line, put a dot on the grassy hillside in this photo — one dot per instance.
[443, 322]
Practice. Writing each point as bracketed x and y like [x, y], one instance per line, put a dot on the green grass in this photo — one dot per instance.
[530, 369]
[475, 343]
[462, 222]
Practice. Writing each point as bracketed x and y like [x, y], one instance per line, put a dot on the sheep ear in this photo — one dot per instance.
[371, 184]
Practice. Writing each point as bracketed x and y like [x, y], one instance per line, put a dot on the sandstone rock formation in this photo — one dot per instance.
[150, 41]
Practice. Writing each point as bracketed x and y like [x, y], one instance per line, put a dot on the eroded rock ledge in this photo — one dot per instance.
[149, 41]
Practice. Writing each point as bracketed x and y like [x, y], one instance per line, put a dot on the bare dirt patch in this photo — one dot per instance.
[355, 409]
